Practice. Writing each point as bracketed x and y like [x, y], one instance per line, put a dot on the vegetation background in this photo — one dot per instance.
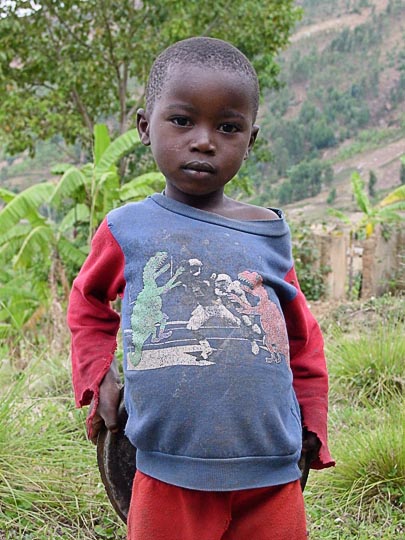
[332, 136]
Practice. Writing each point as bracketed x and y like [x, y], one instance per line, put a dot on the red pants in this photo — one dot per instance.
[161, 511]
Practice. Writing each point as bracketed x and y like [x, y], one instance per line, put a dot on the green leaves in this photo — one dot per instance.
[71, 185]
[25, 205]
[360, 195]
[37, 243]
[112, 153]
[384, 212]
[142, 186]
[395, 197]
[66, 64]
[54, 223]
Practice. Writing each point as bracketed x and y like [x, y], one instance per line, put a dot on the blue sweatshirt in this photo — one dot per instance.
[208, 382]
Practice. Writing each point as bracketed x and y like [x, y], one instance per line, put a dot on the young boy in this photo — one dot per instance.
[223, 361]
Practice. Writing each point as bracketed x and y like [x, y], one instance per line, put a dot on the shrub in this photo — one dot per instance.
[372, 464]
[310, 273]
[370, 367]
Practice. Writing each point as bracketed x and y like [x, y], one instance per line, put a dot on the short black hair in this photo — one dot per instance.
[205, 52]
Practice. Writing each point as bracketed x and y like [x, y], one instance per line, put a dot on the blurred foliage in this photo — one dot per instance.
[66, 65]
[310, 272]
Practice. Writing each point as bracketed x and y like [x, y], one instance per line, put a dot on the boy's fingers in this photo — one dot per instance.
[111, 421]
[109, 415]
[96, 425]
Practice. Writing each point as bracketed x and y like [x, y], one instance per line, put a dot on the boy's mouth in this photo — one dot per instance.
[199, 166]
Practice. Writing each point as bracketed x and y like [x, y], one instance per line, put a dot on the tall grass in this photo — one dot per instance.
[49, 485]
[373, 459]
[363, 497]
[370, 365]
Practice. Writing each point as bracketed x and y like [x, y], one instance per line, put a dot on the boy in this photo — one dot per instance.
[221, 354]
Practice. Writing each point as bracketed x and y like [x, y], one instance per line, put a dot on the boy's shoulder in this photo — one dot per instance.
[247, 212]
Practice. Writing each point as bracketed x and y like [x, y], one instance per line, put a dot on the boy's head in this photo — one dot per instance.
[205, 52]
[201, 104]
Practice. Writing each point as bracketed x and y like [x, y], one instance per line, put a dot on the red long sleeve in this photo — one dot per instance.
[309, 369]
[92, 321]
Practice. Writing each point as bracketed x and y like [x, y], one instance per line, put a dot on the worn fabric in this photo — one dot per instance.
[218, 344]
[164, 512]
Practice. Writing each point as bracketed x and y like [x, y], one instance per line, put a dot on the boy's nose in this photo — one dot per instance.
[202, 141]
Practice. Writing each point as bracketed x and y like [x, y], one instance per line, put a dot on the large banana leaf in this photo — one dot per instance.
[389, 214]
[39, 241]
[79, 214]
[69, 253]
[107, 185]
[398, 195]
[120, 147]
[19, 231]
[69, 186]
[60, 168]
[142, 186]
[101, 142]
[6, 195]
[361, 196]
[25, 205]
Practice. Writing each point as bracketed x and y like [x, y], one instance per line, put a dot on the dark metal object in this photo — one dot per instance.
[116, 461]
[304, 464]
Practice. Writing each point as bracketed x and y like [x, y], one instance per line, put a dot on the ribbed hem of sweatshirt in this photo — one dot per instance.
[219, 474]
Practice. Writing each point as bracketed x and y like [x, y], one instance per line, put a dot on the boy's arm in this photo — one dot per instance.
[93, 323]
[309, 371]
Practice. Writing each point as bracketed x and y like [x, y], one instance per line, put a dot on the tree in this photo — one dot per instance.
[331, 196]
[402, 171]
[306, 179]
[372, 181]
[66, 65]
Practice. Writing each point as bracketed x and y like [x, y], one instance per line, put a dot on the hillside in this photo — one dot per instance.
[343, 102]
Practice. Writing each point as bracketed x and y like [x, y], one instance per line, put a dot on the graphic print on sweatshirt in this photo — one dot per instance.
[191, 315]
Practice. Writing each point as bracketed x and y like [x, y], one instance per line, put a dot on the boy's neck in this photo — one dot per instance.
[217, 202]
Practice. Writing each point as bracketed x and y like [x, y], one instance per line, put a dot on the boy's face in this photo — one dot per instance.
[200, 130]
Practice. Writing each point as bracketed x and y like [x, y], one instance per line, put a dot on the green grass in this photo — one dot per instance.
[49, 482]
[369, 366]
[363, 497]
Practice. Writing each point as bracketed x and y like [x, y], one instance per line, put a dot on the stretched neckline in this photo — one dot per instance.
[266, 227]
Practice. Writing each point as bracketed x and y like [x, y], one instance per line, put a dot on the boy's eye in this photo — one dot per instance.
[181, 121]
[228, 128]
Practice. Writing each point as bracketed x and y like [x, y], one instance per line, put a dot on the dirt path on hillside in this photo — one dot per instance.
[351, 20]
[383, 161]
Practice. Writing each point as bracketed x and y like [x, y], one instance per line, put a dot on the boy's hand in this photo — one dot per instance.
[109, 400]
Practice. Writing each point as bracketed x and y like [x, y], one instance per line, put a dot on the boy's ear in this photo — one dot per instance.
[253, 135]
[142, 123]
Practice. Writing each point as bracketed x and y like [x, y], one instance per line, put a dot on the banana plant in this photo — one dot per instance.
[94, 189]
[386, 211]
[49, 225]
